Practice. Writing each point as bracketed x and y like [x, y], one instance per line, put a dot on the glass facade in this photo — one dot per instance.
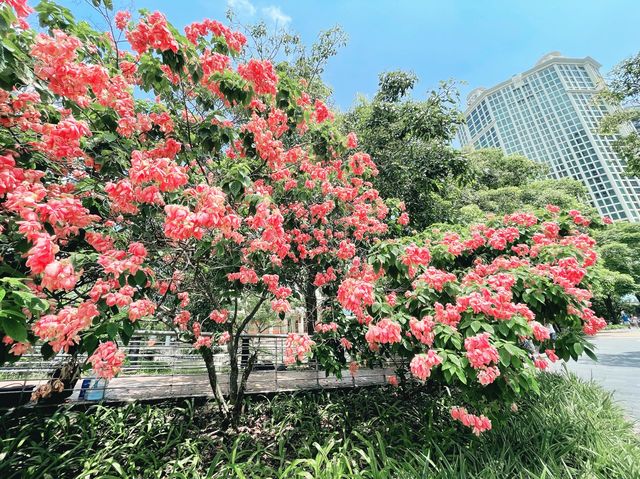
[550, 114]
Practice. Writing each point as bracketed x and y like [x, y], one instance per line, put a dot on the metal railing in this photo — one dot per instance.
[159, 366]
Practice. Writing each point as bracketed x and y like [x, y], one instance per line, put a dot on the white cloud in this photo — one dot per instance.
[242, 6]
[276, 15]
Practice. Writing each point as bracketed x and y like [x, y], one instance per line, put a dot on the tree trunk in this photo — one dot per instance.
[311, 305]
[239, 401]
[611, 310]
[207, 355]
[233, 373]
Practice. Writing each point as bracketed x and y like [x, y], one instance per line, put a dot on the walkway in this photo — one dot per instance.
[617, 368]
[135, 388]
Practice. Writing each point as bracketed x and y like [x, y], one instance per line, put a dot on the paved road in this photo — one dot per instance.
[617, 369]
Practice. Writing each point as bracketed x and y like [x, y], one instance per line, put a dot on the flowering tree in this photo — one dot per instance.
[221, 187]
[481, 308]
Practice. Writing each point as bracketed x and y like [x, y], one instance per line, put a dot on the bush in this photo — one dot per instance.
[572, 429]
[478, 308]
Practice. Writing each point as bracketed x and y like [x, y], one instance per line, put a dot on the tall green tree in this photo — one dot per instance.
[410, 142]
[620, 248]
[624, 88]
[501, 184]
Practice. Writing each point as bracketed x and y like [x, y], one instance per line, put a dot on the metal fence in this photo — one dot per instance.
[160, 366]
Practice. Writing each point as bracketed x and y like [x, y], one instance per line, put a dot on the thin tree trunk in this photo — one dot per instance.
[233, 374]
[207, 355]
[611, 310]
[311, 305]
[239, 404]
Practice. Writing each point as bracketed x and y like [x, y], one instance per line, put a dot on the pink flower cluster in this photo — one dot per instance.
[480, 352]
[415, 256]
[449, 314]
[297, 347]
[592, 324]
[59, 275]
[423, 330]
[385, 331]
[579, 219]
[261, 75]
[478, 424]
[435, 278]
[152, 33]
[202, 342]
[540, 332]
[235, 40]
[246, 275]
[219, 316]
[224, 338]
[421, 364]
[107, 360]
[488, 375]
[140, 309]
[62, 330]
[323, 278]
[182, 319]
[326, 327]
[17, 348]
[355, 295]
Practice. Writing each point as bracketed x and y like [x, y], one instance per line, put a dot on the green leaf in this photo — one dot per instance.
[141, 278]
[513, 350]
[112, 330]
[578, 348]
[126, 331]
[591, 354]
[505, 357]
[90, 343]
[235, 187]
[14, 327]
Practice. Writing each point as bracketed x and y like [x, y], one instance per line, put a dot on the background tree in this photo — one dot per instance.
[609, 288]
[285, 49]
[619, 250]
[491, 168]
[624, 89]
[501, 184]
[410, 142]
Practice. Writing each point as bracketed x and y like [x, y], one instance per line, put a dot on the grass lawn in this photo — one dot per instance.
[572, 430]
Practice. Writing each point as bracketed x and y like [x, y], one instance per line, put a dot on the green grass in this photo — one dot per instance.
[610, 327]
[572, 430]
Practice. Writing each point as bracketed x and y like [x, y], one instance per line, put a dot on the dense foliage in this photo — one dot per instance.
[502, 184]
[479, 308]
[571, 430]
[410, 142]
[149, 175]
[225, 186]
[624, 88]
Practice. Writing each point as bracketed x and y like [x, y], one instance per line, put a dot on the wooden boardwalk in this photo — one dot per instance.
[157, 387]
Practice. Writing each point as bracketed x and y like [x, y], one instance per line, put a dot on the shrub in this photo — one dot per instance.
[481, 309]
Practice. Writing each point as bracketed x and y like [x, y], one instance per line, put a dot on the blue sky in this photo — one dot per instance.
[481, 42]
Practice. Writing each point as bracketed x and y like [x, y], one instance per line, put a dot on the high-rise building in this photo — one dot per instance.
[550, 114]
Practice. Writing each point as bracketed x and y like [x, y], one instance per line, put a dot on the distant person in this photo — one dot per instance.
[552, 332]
[625, 319]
